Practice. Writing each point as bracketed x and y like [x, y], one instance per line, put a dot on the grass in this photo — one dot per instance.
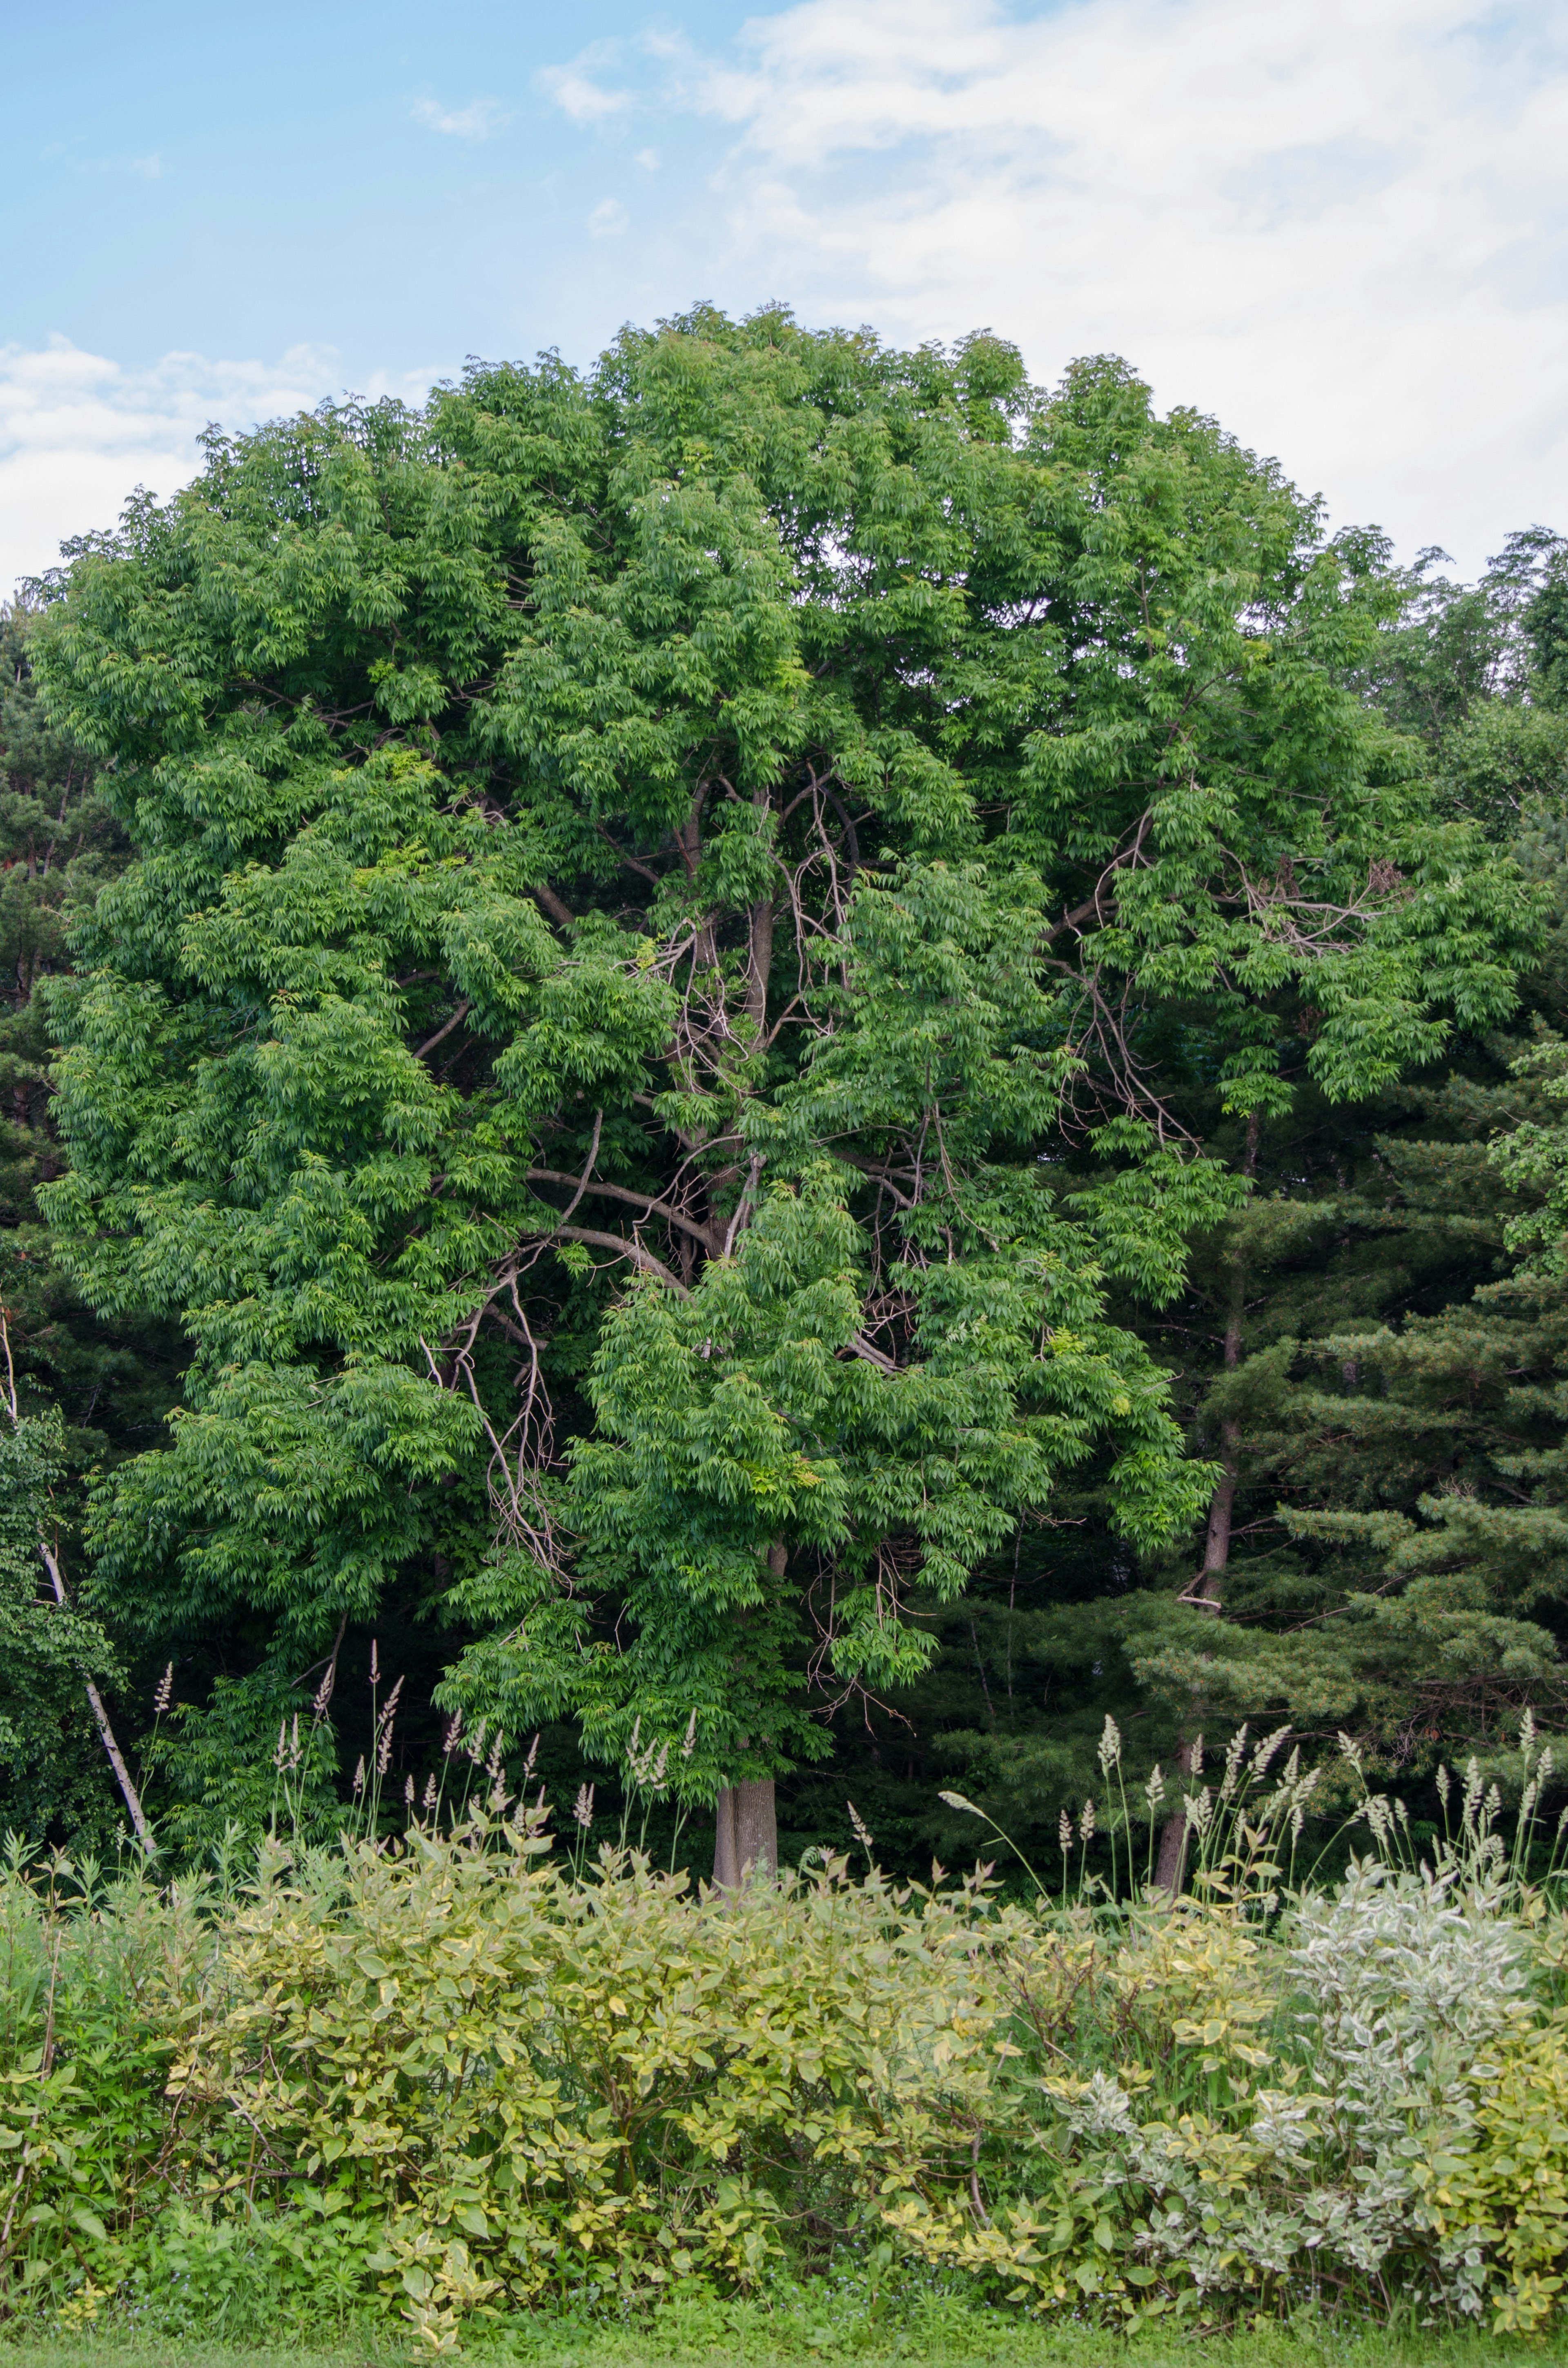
[807, 2331]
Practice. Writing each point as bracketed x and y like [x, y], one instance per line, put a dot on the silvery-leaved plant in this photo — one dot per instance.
[1404, 1979]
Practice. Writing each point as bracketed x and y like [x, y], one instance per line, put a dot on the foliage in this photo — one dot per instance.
[770, 784]
[696, 1471]
[1512, 2182]
[58, 840]
[87, 1391]
[460, 2076]
[52, 1753]
[1372, 1347]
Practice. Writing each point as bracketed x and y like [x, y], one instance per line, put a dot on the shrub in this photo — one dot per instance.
[528, 2080]
[455, 2077]
[1504, 2193]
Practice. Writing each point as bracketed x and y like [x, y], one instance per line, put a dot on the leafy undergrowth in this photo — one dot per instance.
[458, 2090]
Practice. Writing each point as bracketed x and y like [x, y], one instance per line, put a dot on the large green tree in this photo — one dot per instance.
[672, 912]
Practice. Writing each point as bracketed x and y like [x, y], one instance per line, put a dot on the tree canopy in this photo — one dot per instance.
[714, 949]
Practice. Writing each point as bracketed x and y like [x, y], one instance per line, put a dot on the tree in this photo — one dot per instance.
[567, 818]
[59, 840]
[1400, 1374]
[53, 1724]
[1362, 1347]
[75, 1392]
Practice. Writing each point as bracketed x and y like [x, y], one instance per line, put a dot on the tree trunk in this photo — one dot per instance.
[726, 1858]
[760, 961]
[745, 1838]
[756, 1829]
[1204, 1595]
[746, 1824]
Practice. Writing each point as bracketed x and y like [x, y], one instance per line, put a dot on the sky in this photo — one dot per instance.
[1340, 226]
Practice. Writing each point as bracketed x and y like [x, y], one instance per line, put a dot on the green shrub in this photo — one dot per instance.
[452, 2078]
[529, 2081]
[1507, 2189]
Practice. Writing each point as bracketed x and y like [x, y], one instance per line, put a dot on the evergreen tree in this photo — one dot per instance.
[1361, 1345]
[58, 841]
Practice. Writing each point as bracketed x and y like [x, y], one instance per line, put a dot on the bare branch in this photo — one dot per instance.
[648, 1202]
[632, 1249]
[459, 1016]
[588, 1164]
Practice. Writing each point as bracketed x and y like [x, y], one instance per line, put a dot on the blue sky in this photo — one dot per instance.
[244, 181]
[1342, 225]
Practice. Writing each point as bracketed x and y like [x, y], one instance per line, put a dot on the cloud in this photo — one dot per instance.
[608, 218]
[578, 95]
[78, 433]
[475, 121]
[1343, 228]
[149, 167]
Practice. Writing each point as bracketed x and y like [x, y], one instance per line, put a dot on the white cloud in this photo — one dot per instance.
[475, 121]
[78, 433]
[1341, 227]
[648, 158]
[577, 95]
[607, 219]
[149, 167]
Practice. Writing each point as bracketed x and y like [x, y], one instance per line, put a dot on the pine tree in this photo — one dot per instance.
[1383, 1367]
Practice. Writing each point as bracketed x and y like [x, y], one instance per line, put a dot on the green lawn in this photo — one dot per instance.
[754, 2337]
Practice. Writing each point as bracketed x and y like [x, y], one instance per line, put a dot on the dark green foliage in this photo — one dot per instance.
[1392, 1561]
[87, 1391]
[59, 840]
[1376, 1344]
[55, 1773]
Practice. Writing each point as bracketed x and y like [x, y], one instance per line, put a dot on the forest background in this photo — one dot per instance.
[790, 1065]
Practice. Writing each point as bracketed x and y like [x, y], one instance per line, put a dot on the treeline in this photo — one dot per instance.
[786, 1059]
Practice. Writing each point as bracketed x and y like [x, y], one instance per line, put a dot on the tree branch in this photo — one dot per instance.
[459, 1016]
[549, 904]
[648, 1202]
[100, 1715]
[1091, 907]
[624, 1248]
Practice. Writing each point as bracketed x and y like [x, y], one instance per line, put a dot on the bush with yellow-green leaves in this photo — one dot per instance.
[454, 2078]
